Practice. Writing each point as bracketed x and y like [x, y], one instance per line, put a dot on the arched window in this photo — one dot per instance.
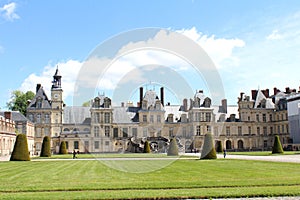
[240, 144]
[228, 144]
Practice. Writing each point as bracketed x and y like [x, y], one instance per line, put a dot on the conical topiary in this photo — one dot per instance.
[147, 147]
[46, 151]
[63, 148]
[277, 147]
[219, 146]
[208, 150]
[173, 149]
[20, 152]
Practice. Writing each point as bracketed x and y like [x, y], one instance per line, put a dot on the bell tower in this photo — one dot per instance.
[56, 104]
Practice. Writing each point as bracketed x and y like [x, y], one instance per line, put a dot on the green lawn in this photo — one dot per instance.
[91, 179]
[262, 153]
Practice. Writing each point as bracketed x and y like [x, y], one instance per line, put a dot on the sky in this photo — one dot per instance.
[252, 44]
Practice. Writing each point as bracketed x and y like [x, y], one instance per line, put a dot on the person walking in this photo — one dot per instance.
[74, 154]
[224, 151]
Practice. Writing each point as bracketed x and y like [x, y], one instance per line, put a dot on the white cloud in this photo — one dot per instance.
[8, 11]
[274, 35]
[68, 70]
[219, 49]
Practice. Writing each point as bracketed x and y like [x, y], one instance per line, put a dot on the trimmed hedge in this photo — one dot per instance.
[277, 147]
[219, 146]
[173, 148]
[208, 150]
[46, 149]
[147, 147]
[63, 148]
[20, 152]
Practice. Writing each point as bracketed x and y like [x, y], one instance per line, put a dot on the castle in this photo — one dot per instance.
[251, 125]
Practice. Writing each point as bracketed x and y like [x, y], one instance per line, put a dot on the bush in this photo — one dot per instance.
[208, 150]
[147, 147]
[63, 148]
[219, 146]
[277, 147]
[173, 149]
[20, 152]
[46, 151]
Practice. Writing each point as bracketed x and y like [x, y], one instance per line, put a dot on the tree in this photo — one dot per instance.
[219, 146]
[19, 101]
[277, 147]
[173, 148]
[208, 150]
[46, 151]
[147, 147]
[20, 152]
[63, 148]
[86, 104]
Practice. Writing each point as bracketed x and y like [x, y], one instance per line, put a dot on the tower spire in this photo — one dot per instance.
[56, 83]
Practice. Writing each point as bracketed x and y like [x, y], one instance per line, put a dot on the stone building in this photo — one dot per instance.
[102, 127]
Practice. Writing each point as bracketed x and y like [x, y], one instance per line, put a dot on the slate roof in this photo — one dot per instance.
[46, 103]
[16, 116]
[124, 114]
[76, 114]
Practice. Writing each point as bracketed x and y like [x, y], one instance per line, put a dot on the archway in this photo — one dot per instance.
[240, 144]
[228, 144]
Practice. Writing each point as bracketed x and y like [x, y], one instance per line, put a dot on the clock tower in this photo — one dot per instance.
[56, 104]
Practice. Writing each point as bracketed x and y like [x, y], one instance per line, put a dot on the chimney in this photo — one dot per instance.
[294, 90]
[138, 104]
[224, 105]
[254, 94]
[185, 105]
[276, 90]
[162, 96]
[287, 90]
[38, 86]
[241, 96]
[141, 96]
[122, 104]
[7, 115]
[232, 117]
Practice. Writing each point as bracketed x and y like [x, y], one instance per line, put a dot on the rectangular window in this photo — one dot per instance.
[184, 131]
[151, 119]
[47, 118]
[265, 131]
[271, 130]
[264, 118]
[265, 143]
[76, 145]
[208, 128]
[198, 130]
[271, 117]
[106, 117]
[125, 132]
[38, 132]
[257, 117]
[171, 134]
[145, 132]
[96, 131]
[282, 129]
[38, 118]
[116, 132]
[107, 131]
[144, 118]
[86, 145]
[197, 117]
[96, 144]
[97, 117]
[46, 131]
[227, 130]
[258, 130]
[278, 129]
[239, 130]
[159, 133]
[30, 116]
[216, 131]
[134, 132]
[249, 130]
[107, 143]
[158, 118]
[208, 117]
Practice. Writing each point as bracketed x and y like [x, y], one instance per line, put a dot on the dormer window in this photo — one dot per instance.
[97, 102]
[39, 102]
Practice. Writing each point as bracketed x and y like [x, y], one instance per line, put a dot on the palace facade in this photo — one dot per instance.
[102, 127]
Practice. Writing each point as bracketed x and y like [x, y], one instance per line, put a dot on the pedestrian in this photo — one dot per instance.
[74, 154]
[224, 153]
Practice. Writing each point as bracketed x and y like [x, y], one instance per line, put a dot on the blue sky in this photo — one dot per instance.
[254, 44]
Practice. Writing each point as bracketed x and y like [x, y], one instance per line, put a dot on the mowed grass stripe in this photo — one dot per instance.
[184, 174]
[162, 193]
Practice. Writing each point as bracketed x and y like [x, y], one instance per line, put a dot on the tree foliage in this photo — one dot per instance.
[208, 150]
[18, 101]
[63, 148]
[277, 147]
[46, 149]
[20, 151]
[86, 104]
[173, 148]
[147, 147]
[219, 146]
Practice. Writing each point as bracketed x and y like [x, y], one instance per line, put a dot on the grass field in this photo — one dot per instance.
[262, 153]
[91, 179]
